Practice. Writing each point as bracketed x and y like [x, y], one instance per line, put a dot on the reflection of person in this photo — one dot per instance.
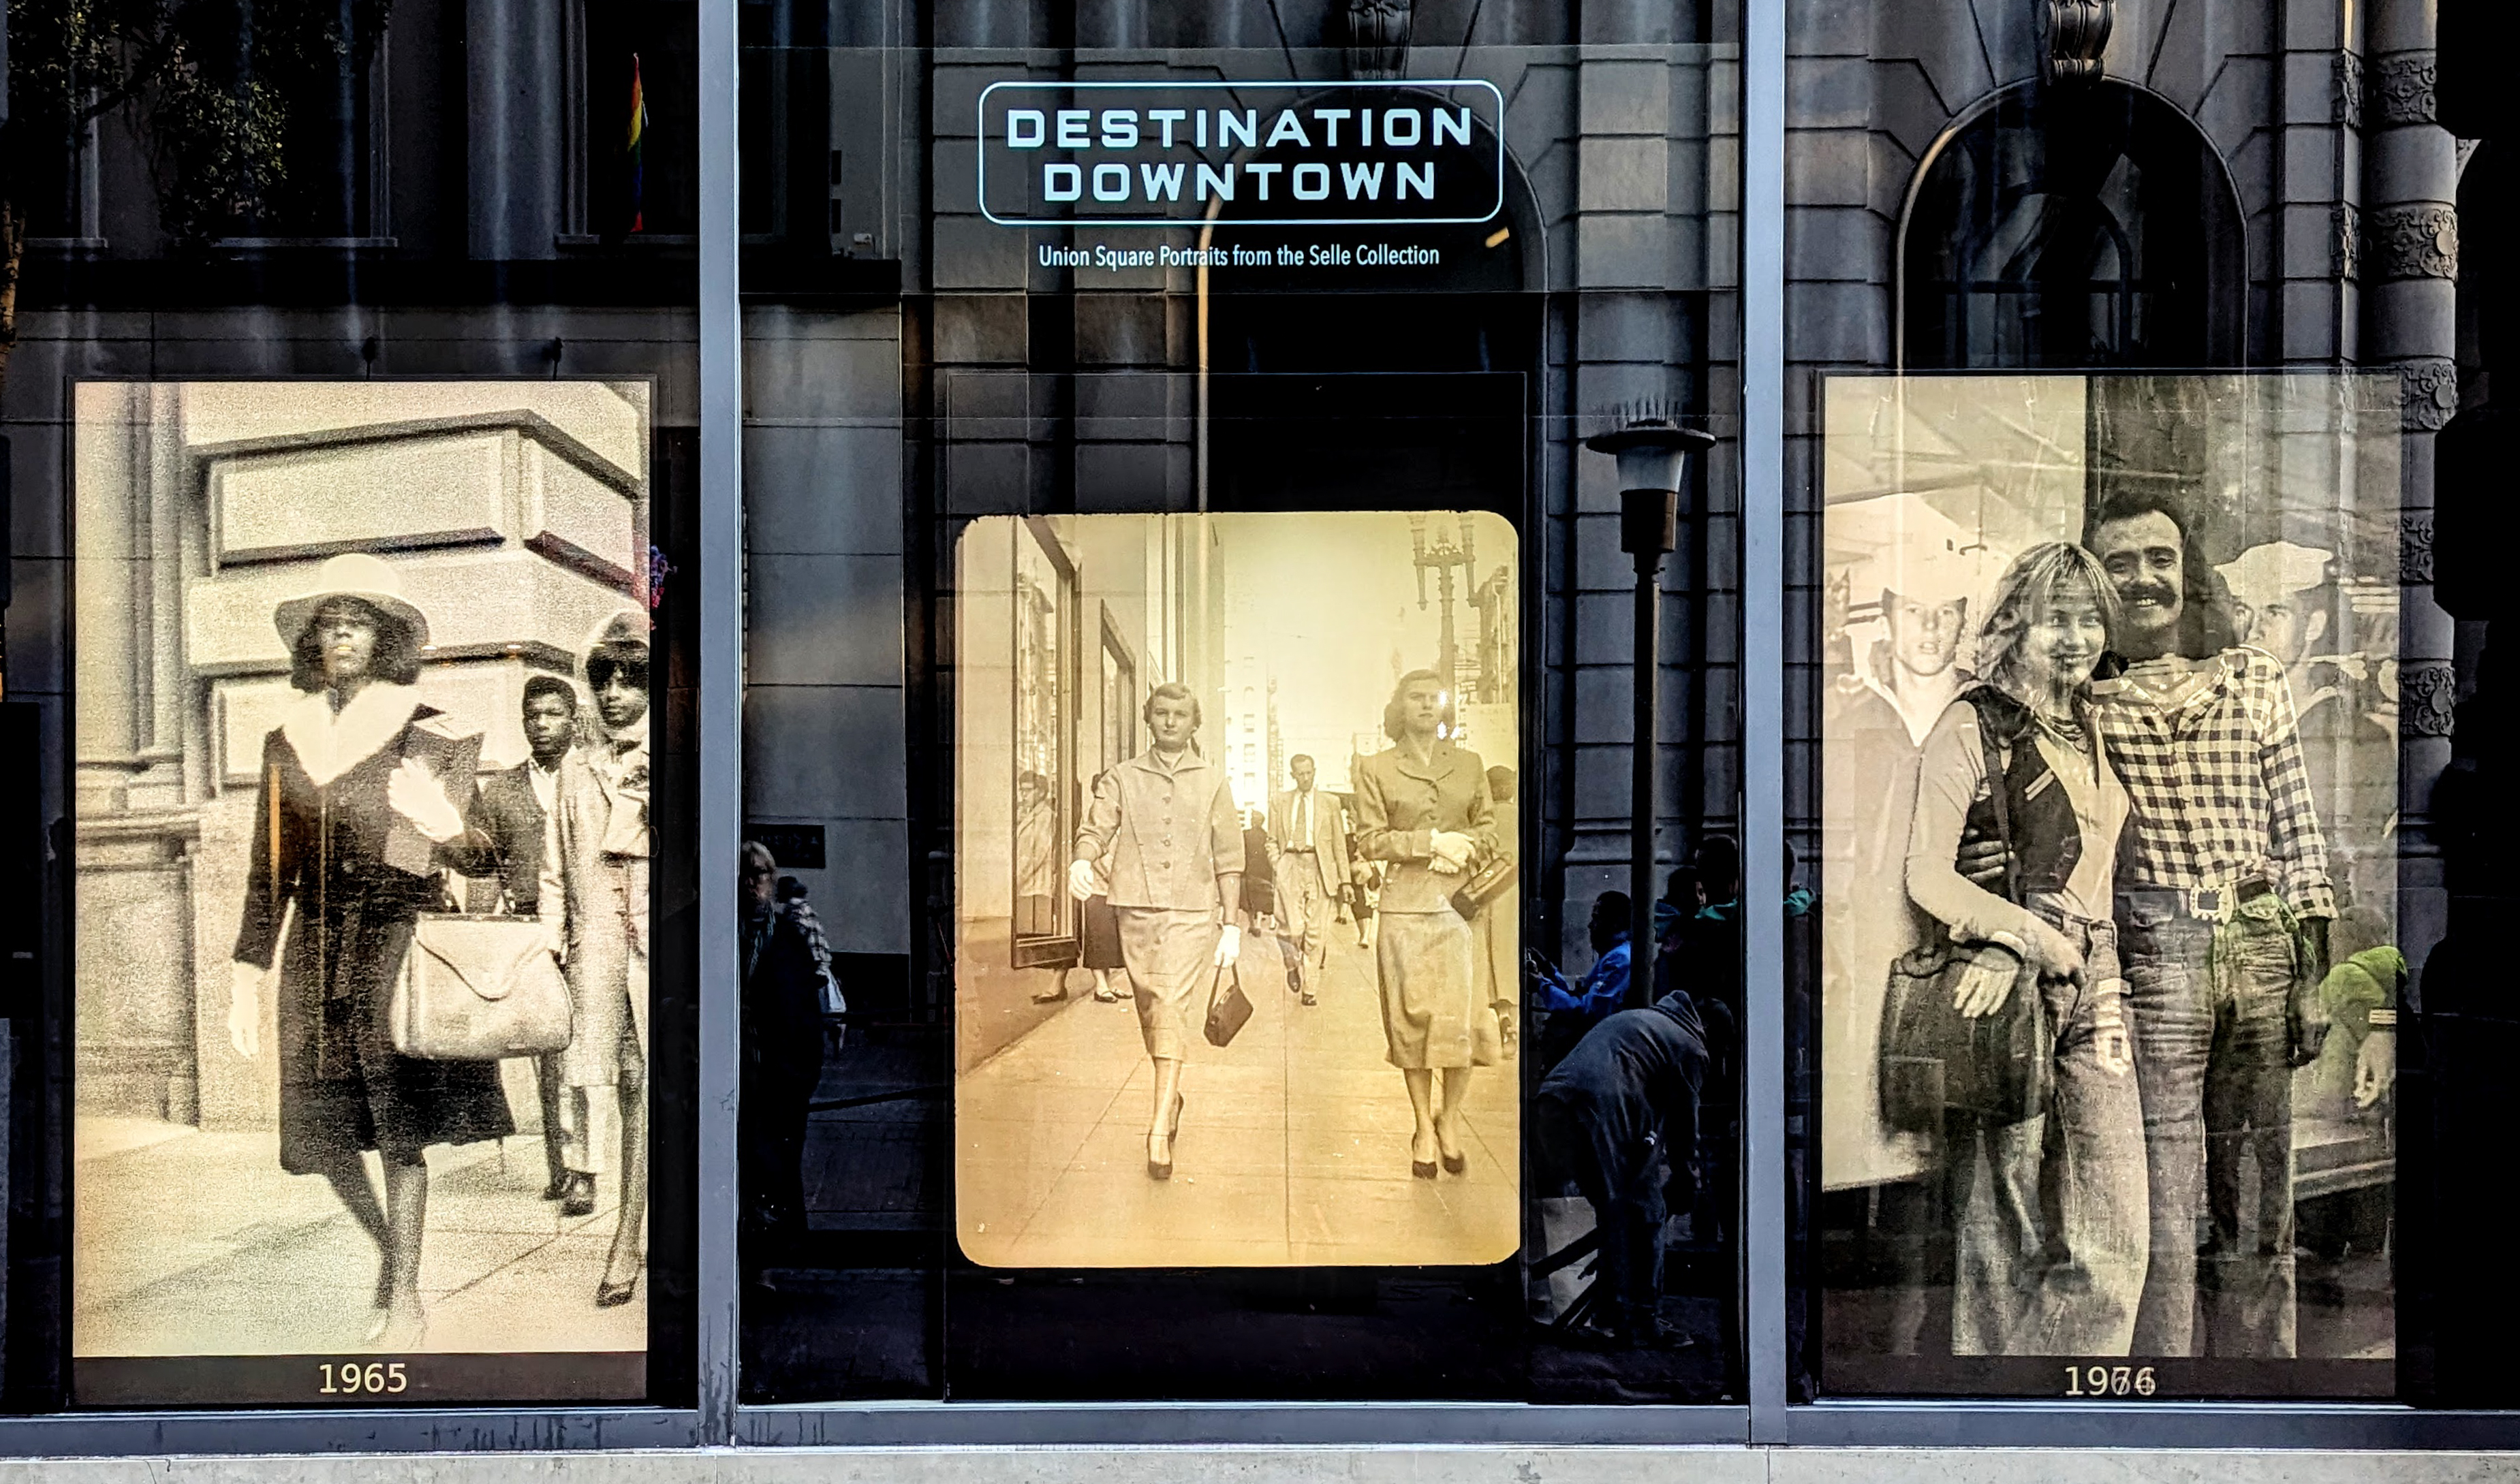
[340, 774]
[1622, 1106]
[1571, 1010]
[1307, 845]
[1498, 924]
[2361, 995]
[604, 845]
[1036, 856]
[2051, 1221]
[2223, 900]
[512, 838]
[783, 1044]
[1424, 807]
[1163, 840]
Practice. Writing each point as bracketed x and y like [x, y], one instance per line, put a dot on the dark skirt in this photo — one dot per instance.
[1102, 935]
[343, 1089]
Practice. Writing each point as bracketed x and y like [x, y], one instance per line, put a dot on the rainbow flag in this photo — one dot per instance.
[638, 133]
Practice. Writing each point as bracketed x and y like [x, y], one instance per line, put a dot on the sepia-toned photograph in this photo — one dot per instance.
[1238, 906]
[361, 890]
[2110, 875]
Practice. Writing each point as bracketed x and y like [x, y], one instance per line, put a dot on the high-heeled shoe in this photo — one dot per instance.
[611, 1295]
[1160, 1169]
[1454, 1164]
[1422, 1169]
[578, 1199]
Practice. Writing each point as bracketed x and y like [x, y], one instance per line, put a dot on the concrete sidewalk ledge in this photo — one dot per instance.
[1301, 1465]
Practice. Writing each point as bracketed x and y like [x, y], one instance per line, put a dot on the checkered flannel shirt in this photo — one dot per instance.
[2220, 788]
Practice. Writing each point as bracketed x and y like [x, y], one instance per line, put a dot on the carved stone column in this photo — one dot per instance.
[1377, 35]
[2409, 267]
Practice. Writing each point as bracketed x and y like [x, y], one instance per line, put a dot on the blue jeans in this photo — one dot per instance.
[2208, 1005]
[2050, 1211]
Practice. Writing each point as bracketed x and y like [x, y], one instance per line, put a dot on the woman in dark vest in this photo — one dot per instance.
[351, 822]
[2053, 1224]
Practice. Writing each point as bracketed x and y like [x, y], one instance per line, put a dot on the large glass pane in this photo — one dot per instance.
[350, 411]
[1234, 393]
[2136, 347]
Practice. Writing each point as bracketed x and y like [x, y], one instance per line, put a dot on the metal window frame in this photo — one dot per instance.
[720, 1420]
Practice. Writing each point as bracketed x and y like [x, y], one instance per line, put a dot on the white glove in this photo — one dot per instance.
[1080, 880]
[1453, 851]
[1228, 946]
[417, 796]
[245, 1007]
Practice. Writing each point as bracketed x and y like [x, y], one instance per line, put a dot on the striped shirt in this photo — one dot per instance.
[2220, 787]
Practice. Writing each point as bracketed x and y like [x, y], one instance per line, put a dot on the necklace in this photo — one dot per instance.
[2065, 729]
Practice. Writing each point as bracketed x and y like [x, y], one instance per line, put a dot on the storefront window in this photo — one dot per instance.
[2130, 344]
[1222, 459]
[352, 476]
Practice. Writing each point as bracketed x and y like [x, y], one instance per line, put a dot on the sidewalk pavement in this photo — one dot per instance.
[197, 1244]
[1293, 1146]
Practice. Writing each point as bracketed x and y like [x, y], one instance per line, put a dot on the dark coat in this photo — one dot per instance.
[342, 1087]
[782, 1006]
[506, 839]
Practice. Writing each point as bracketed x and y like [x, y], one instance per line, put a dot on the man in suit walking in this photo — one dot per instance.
[1308, 852]
[512, 848]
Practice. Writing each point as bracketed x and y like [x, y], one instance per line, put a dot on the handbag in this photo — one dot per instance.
[1228, 1010]
[479, 987]
[1997, 1068]
[1485, 885]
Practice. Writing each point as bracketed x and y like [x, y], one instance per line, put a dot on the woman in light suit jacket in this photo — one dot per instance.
[1423, 806]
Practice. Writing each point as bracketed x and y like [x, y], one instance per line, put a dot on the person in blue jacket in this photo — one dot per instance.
[1571, 1010]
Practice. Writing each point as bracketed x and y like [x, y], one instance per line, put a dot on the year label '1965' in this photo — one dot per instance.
[362, 1378]
[2108, 1380]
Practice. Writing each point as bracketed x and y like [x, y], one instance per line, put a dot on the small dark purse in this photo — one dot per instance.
[1228, 1010]
[1996, 1069]
[1485, 885]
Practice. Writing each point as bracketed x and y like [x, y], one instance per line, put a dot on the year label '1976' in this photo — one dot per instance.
[362, 1378]
[2108, 1380]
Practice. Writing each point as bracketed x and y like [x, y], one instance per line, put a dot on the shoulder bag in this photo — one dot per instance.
[479, 987]
[1935, 1061]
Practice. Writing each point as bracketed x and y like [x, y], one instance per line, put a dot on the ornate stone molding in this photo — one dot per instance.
[2427, 394]
[2345, 240]
[2419, 241]
[2427, 700]
[1377, 37]
[2405, 82]
[2348, 96]
[2074, 32]
[2414, 546]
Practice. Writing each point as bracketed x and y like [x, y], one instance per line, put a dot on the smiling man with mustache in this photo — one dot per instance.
[2222, 905]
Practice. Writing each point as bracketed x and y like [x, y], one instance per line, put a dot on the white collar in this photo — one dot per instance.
[1920, 709]
[330, 743]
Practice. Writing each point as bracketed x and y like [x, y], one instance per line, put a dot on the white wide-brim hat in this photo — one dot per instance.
[354, 575]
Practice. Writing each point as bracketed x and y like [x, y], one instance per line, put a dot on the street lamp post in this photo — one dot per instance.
[1654, 462]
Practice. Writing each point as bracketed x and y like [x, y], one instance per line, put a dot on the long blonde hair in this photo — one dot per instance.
[2027, 589]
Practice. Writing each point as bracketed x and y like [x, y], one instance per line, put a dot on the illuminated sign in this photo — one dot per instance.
[1248, 154]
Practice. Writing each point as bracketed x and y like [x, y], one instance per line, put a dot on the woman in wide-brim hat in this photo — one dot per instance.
[348, 818]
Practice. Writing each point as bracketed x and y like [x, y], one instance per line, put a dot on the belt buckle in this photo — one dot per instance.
[2206, 902]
